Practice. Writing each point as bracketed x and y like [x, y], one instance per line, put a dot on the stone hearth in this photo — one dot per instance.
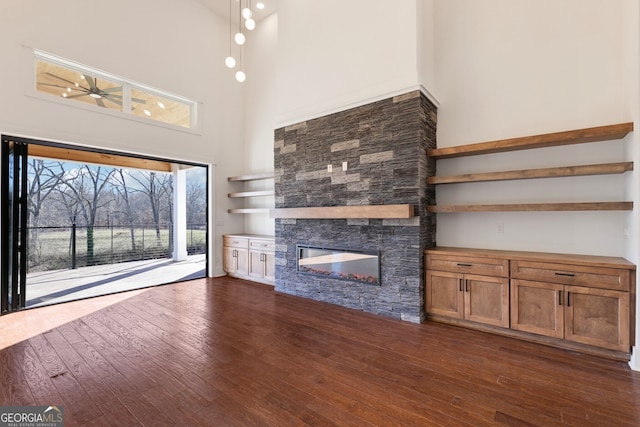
[384, 144]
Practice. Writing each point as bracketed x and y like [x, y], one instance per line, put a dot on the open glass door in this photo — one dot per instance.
[14, 225]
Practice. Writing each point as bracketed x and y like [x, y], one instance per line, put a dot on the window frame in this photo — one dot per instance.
[127, 86]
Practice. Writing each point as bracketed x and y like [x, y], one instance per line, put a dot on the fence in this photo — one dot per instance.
[54, 248]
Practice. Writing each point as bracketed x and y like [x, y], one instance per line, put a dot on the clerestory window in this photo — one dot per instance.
[78, 83]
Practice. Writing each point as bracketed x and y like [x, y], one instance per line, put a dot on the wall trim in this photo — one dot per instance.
[634, 363]
[310, 116]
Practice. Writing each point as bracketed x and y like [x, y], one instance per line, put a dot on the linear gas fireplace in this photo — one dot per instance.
[342, 264]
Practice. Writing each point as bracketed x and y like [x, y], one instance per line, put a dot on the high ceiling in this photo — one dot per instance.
[221, 8]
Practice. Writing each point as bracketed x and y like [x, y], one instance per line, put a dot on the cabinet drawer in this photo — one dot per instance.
[476, 265]
[236, 242]
[263, 245]
[593, 277]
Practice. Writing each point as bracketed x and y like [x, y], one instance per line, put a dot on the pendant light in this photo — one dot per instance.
[240, 75]
[249, 23]
[239, 37]
[230, 61]
[244, 14]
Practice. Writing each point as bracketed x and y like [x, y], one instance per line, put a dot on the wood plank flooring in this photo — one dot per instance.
[227, 352]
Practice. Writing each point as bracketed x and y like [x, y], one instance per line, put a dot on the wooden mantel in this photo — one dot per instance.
[347, 212]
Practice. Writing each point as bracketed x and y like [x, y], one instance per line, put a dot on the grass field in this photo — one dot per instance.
[51, 250]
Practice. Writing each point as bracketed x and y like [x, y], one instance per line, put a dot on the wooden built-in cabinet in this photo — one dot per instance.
[235, 255]
[262, 261]
[573, 301]
[459, 287]
[584, 304]
[249, 256]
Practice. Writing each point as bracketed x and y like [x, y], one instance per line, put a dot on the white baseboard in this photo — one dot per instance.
[634, 363]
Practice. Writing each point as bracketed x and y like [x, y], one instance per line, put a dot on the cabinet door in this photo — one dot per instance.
[256, 264]
[270, 266]
[229, 261]
[537, 307]
[243, 261]
[444, 294]
[486, 299]
[597, 317]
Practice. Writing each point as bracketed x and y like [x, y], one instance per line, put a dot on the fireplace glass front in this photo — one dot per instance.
[342, 264]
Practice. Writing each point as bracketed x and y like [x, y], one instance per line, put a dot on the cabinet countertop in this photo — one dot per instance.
[250, 236]
[594, 260]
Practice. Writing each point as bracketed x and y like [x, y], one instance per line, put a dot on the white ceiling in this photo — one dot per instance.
[221, 7]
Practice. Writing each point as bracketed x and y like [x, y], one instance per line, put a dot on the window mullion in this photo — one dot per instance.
[126, 98]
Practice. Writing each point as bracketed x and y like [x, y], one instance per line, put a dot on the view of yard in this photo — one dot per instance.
[53, 249]
[82, 216]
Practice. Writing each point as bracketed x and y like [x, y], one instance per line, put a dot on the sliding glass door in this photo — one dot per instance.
[82, 223]
[14, 225]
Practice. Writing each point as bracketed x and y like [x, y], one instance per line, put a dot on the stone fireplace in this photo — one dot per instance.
[383, 147]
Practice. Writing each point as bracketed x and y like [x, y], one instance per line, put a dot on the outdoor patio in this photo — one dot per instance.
[52, 287]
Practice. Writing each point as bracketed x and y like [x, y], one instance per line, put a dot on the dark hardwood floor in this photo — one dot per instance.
[217, 352]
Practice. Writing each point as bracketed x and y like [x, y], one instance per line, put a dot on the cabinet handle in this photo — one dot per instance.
[566, 274]
[466, 284]
[464, 265]
[559, 297]
[460, 284]
[568, 299]
[235, 254]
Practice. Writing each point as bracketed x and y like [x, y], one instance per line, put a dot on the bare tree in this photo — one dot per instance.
[157, 187]
[121, 187]
[196, 202]
[87, 186]
[44, 177]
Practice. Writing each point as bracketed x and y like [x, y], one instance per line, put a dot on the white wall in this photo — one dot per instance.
[333, 53]
[632, 78]
[426, 44]
[173, 45]
[508, 68]
[260, 117]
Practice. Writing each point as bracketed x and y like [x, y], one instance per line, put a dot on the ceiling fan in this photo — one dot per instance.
[112, 94]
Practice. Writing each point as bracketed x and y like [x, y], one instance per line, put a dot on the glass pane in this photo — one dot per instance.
[341, 264]
[8, 249]
[67, 83]
[156, 107]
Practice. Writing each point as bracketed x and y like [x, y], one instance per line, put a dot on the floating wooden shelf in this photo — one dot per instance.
[254, 177]
[251, 194]
[534, 207]
[241, 194]
[599, 169]
[578, 136]
[248, 210]
[346, 212]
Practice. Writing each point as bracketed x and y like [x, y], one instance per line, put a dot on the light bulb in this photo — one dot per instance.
[240, 76]
[230, 61]
[260, 5]
[246, 13]
[250, 24]
[239, 38]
